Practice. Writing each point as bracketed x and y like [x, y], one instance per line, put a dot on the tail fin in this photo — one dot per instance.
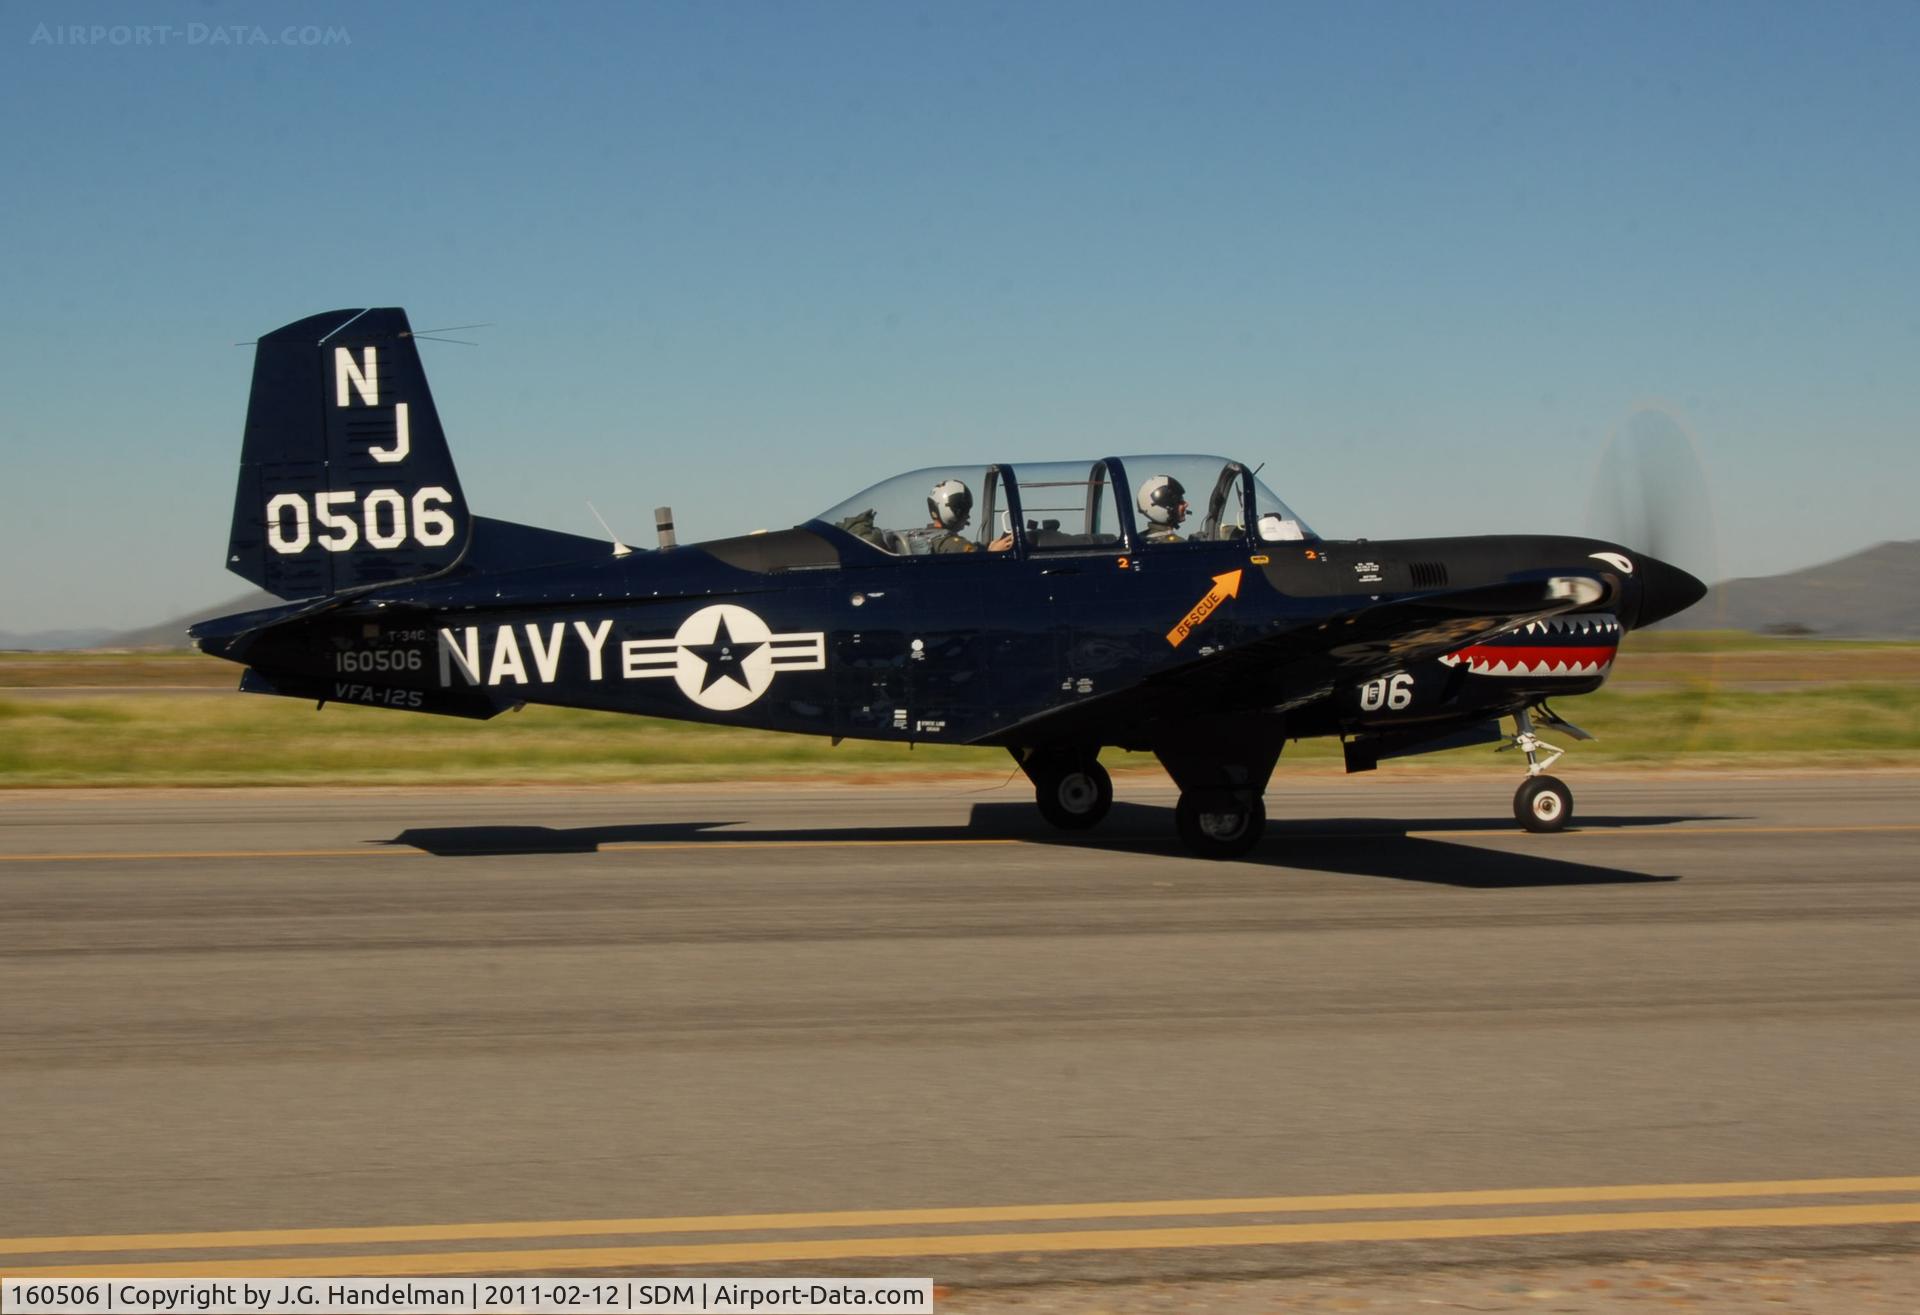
[345, 476]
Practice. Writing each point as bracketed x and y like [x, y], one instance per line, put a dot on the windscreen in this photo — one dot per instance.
[1192, 498]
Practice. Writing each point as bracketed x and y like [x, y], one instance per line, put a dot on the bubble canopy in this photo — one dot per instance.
[1112, 504]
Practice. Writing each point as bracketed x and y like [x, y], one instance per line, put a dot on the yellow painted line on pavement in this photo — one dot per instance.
[985, 1244]
[131, 855]
[990, 1214]
[643, 846]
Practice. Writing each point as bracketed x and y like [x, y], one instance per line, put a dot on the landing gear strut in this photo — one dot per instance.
[1542, 803]
[1072, 788]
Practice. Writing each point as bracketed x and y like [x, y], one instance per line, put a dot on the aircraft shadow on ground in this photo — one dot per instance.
[481, 841]
[1402, 857]
[1394, 848]
[1391, 848]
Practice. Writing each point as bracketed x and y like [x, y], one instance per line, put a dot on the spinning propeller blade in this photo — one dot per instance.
[1649, 493]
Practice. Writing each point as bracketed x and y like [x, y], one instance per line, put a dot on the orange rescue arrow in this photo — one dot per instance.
[1224, 587]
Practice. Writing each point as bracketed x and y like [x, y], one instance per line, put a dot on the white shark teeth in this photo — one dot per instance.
[1521, 667]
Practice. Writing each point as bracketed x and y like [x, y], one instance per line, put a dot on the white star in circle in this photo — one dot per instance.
[744, 679]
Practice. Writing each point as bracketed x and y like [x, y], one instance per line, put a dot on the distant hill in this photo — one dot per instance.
[48, 641]
[173, 634]
[1874, 594]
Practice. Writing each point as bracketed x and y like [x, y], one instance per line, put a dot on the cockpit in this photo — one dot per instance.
[1111, 505]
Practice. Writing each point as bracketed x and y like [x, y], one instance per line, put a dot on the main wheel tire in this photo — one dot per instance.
[1075, 797]
[1543, 803]
[1219, 834]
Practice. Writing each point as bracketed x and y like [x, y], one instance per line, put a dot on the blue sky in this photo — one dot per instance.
[1420, 259]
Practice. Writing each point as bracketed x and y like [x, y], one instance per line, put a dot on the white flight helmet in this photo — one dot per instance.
[950, 505]
[1160, 499]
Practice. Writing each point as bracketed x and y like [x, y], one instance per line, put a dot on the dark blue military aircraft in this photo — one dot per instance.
[1163, 604]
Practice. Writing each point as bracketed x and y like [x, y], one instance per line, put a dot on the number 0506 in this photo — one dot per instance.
[385, 518]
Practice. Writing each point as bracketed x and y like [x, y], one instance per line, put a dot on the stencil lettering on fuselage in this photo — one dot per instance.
[723, 657]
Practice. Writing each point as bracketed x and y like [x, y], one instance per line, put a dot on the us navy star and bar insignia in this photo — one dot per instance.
[723, 657]
[1224, 587]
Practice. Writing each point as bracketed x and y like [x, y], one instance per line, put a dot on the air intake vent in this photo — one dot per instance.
[1428, 575]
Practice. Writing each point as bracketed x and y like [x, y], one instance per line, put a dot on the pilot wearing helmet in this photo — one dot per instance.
[949, 508]
[1163, 501]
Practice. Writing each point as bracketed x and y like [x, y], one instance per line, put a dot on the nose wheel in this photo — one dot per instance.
[1542, 803]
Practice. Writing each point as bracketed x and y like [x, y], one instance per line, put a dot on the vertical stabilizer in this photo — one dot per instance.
[345, 476]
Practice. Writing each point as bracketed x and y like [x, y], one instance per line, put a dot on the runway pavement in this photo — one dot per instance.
[869, 1030]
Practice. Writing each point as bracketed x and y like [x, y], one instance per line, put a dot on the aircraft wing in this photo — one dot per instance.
[1305, 662]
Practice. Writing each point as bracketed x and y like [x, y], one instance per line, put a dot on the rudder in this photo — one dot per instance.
[346, 480]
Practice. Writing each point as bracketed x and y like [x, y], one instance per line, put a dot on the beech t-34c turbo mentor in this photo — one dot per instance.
[1165, 604]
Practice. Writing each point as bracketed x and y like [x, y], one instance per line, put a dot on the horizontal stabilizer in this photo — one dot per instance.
[510, 546]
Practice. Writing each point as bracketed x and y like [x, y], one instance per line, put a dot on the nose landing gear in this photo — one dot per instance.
[1542, 803]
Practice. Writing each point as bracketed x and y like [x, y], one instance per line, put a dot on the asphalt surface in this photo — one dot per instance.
[300, 1009]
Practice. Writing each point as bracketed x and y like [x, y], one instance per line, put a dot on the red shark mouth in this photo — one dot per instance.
[1487, 660]
[1586, 649]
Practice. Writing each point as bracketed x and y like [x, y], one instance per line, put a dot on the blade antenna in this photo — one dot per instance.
[619, 549]
[428, 334]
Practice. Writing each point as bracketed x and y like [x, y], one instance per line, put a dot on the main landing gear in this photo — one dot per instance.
[1222, 772]
[1220, 829]
[1072, 788]
[1542, 803]
[1222, 766]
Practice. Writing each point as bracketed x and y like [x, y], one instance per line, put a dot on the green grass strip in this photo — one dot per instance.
[229, 739]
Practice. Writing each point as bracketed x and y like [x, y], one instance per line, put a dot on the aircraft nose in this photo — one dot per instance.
[1664, 590]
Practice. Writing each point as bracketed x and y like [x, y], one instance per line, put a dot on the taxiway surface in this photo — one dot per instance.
[302, 1009]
